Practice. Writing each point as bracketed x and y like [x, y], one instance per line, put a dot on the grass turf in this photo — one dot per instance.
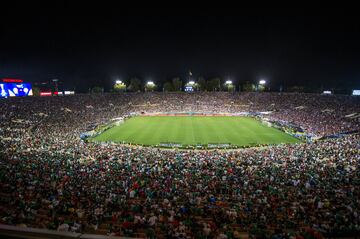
[192, 130]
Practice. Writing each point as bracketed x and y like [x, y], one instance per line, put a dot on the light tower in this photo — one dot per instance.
[56, 87]
[261, 83]
[150, 86]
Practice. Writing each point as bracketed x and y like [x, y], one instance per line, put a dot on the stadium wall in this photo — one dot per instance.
[7, 231]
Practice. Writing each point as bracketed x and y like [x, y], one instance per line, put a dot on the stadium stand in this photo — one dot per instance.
[51, 179]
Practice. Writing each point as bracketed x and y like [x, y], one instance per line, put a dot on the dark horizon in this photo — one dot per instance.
[284, 46]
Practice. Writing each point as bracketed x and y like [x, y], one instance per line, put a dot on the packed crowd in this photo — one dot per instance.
[50, 179]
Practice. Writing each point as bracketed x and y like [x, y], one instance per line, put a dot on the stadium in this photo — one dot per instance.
[230, 123]
[66, 166]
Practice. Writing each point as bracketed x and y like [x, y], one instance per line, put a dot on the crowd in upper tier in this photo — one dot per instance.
[49, 178]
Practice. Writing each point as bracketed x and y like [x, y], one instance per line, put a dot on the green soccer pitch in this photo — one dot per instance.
[194, 130]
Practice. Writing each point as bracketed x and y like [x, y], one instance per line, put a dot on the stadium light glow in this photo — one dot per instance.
[262, 82]
[228, 82]
[191, 82]
[118, 82]
[150, 83]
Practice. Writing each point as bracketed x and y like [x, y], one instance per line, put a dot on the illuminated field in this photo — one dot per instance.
[194, 130]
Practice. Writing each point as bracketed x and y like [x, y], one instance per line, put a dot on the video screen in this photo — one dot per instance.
[3, 91]
[356, 92]
[15, 89]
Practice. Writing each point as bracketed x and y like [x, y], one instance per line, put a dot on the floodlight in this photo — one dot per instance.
[228, 82]
[118, 82]
[262, 82]
[150, 83]
[191, 82]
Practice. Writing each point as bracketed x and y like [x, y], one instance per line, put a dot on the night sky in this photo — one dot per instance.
[83, 49]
